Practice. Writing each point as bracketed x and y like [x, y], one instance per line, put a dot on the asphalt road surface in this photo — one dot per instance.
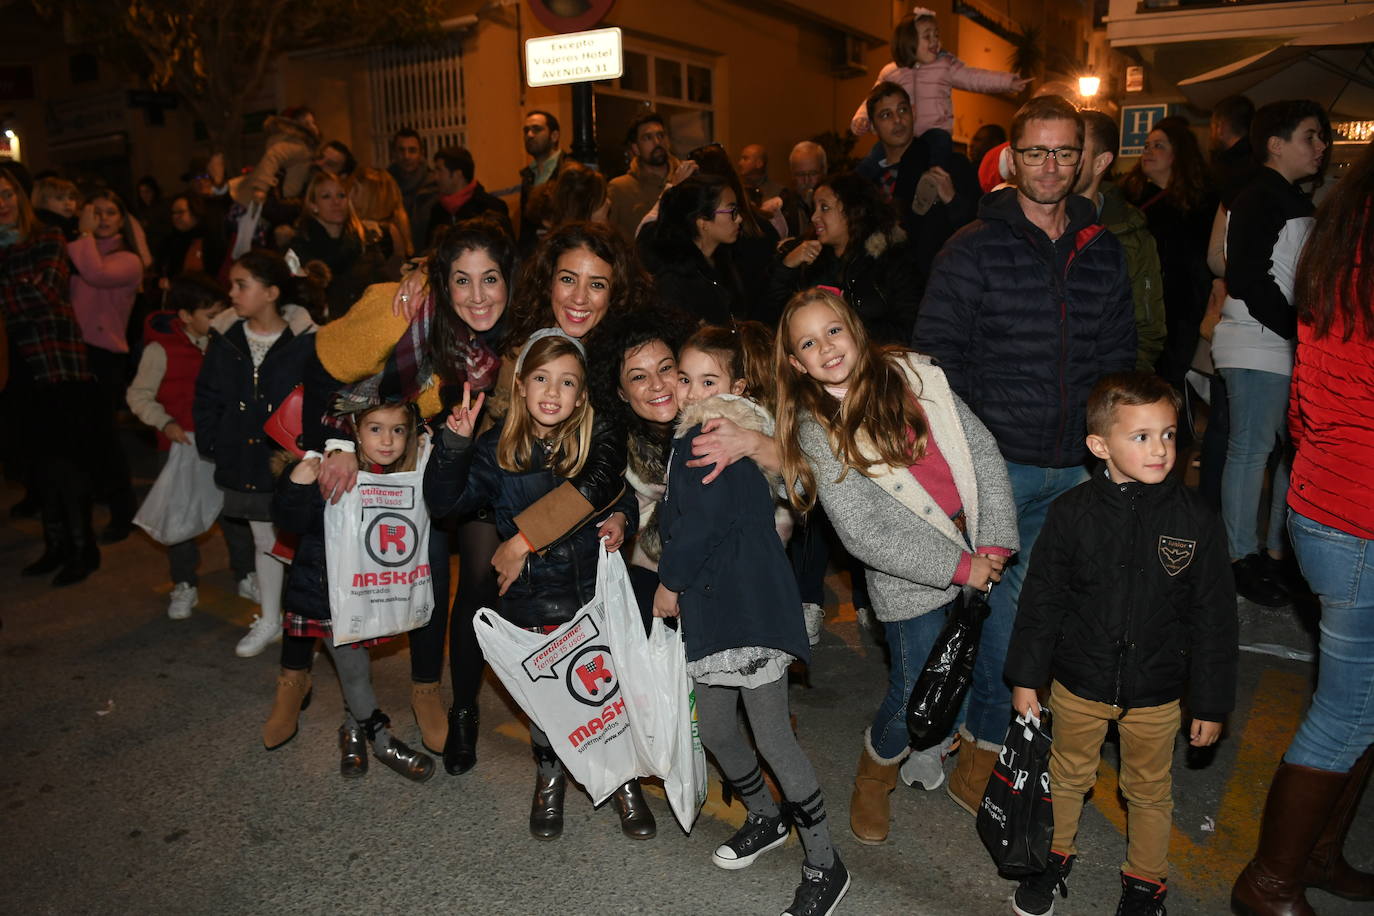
[134, 781]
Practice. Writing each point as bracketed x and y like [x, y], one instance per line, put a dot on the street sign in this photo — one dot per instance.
[575, 57]
[1136, 123]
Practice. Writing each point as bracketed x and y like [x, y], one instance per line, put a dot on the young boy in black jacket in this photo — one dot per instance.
[1129, 600]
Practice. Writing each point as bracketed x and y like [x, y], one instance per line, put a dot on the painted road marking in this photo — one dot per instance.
[1209, 866]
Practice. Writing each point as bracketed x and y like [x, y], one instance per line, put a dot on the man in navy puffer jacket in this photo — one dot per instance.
[1026, 308]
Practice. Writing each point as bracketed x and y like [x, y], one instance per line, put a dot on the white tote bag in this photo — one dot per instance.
[184, 501]
[376, 551]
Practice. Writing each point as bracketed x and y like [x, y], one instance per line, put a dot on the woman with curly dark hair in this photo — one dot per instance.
[581, 274]
[1170, 185]
[860, 250]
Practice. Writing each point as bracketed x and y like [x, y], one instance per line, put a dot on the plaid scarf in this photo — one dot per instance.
[409, 370]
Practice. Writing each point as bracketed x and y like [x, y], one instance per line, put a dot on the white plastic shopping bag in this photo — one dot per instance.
[184, 501]
[649, 696]
[569, 683]
[658, 693]
[377, 556]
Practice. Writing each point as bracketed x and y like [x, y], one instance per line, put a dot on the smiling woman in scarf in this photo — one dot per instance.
[371, 353]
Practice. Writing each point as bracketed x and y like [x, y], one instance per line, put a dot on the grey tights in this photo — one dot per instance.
[354, 665]
[766, 707]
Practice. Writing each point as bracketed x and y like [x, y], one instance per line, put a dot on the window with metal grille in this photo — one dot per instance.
[420, 88]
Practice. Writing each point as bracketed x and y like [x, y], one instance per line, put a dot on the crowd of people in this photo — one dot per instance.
[951, 371]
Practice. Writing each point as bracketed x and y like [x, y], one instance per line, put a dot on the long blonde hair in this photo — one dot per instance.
[351, 223]
[570, 441]
[878, 404]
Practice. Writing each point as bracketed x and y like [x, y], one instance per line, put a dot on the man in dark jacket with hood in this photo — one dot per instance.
[1026, 308]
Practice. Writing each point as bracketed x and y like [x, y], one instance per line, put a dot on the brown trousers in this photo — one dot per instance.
[1147, 753]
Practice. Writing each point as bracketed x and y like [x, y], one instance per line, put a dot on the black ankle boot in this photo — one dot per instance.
[1254, 583]
[550, 783]
[460, 750]
[83, 560]
[636, 820]
[55, 545]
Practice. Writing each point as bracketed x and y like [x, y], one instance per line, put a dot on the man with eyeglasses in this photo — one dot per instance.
[807, 165]
[1026, 308]
[635, 192]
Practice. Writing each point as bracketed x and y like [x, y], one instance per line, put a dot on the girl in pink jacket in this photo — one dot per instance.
[928, 74]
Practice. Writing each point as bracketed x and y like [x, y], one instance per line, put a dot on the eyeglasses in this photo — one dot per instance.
[733, 210]
[1035, 155]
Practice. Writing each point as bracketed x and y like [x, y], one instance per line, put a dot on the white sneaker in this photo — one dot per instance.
[248, 588]
[184, 597]
[815, 617]
[262, 634]
[926, 767]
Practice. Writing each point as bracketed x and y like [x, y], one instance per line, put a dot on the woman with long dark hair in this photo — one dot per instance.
[689, 249]
[452, 339]
[1169, 184]
[1316, 790]
[860, 250]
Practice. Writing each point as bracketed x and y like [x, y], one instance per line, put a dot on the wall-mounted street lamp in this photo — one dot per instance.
[1088, 86]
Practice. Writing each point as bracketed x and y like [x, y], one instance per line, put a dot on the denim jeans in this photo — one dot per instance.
[1033, 488]
[1258, 406]
[908, 644]
[1339, 568]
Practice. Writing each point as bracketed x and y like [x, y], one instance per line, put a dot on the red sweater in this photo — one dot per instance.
[1331, 419]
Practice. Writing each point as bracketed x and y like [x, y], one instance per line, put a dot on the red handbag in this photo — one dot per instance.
[284, 426]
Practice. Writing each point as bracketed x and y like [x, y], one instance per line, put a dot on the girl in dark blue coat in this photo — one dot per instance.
[388, 440]
[545, 440]
[253, 361]
[724, 570]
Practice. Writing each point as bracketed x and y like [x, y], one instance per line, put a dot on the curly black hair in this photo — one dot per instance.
[532, 305]
[622, 335]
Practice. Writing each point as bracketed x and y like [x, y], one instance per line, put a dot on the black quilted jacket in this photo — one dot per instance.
[1128, 599]
[1023, 326]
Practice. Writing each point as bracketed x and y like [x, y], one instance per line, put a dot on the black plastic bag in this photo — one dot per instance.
[948, 671]
[1016, 818]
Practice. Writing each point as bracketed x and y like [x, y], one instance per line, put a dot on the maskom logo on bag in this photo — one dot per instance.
[390, 539]
[1175, 554]
[590, 678]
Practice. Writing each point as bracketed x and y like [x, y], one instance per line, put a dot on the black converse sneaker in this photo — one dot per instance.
[757, 836]
[1035, 896]
[821, 890]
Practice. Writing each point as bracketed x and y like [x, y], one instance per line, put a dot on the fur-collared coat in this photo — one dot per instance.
[879, 280]
[888, 520]
[721, 552]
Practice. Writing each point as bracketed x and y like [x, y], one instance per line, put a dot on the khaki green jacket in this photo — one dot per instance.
[1127, 223]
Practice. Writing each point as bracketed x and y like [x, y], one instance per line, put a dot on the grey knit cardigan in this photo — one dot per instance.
[889, 521]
